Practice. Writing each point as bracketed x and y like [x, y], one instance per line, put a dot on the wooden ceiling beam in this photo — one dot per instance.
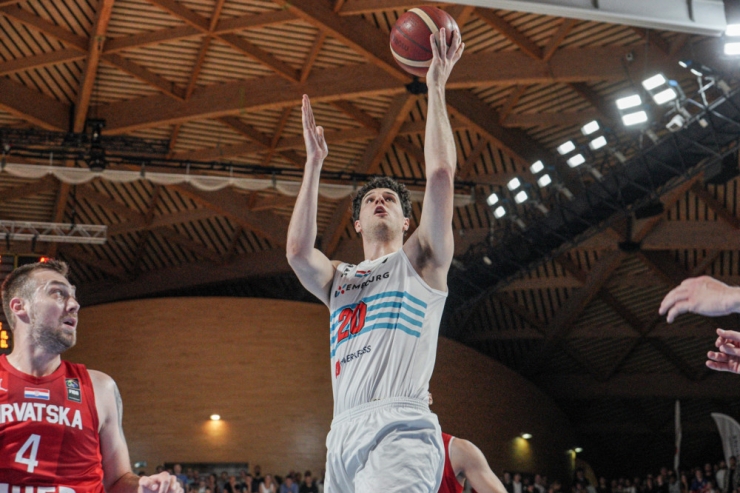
[187, 243]
[141, 224]
[262, 140]
[355, 81]
[313, 54]
[562, 322]
[37, 23]
[516, 94]
[145, 75]
[552, 46]
[224, 26]
[264, 263]
[357, 7]
[510, 32]
[41, 60]
[466, 167]
[90, 71]
[234, 205]
[77, 253]
[183, 13]
[605, 110]
[722, 212]
[550, 119]
[654, 39]
[244, 46]
[46, 184]
[466, 107]
[357, 33]
[34, 107]
[369, 164]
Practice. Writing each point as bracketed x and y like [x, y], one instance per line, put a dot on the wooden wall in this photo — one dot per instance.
[263, 365]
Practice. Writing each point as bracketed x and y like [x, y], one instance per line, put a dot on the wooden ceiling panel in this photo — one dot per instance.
[202, 7]
[132, 17]
[224, 64]
[336, 54]
[113, 85]
[18, 41]
[58, 82]
[289, 42]
[537, 28]
[599, 34]
[238, 8]
[479, 36]
[644, 358]
[75, 15]
[205, 134]
[173, 61]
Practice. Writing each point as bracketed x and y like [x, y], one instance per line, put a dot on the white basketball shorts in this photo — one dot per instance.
[390, 445]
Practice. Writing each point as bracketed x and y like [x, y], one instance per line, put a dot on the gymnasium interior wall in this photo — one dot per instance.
[263, 365]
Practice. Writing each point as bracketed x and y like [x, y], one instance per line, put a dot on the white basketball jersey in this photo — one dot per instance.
[384, 328]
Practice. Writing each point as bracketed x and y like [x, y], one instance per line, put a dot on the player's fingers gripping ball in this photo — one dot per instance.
[410, 43]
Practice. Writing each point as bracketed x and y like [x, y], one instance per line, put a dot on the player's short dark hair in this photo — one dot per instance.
[18, 283]
[382, 182]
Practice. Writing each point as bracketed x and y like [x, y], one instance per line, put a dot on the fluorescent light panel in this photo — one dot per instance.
[590, 128]
[733, 30]
[665, 96]
[499, 212]
[513, 184]
[521, 197]
[597, 143]
[732, 48]
[653, 82]
[629, 102]
[634, 118]
[576, 160]
[536, 167]
[567, 147]
[544, 180]
[492, 199]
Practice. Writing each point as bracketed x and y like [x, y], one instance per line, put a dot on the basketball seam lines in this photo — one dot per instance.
[427, 20]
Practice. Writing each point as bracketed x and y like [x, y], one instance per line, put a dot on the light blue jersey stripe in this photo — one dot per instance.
[384, 325]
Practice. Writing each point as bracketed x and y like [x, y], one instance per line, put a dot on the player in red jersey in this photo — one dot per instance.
[60, 424]
[464, 461]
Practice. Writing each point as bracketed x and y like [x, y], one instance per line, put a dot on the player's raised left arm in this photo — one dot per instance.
[431, 247]
[467, 459]
[117, 474]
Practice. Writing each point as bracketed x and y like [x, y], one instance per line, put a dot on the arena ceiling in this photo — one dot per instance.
[221, 80]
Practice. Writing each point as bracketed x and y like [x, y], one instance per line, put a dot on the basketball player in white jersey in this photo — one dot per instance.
[385, 312]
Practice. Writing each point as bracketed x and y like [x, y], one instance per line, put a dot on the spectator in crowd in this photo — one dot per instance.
[730, 483]
[212, 483]
[231, 485]
[267, 485]
[516, 484]
[258, 479]
[309, 484]
[247, 484]
[708, 472]
[507, 482]
[539, 484]
[288, 485]
[698, 483]
[602, 488]
[580, 478]
[182, 478]
[721, 476]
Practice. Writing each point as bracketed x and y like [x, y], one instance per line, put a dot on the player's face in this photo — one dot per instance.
[381, 214]
[53, 312]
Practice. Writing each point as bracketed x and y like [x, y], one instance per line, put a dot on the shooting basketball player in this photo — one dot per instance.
[60, 424]
[385, 312]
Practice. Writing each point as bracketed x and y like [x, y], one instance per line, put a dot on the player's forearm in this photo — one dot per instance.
[439, 141]
[303, 229]
[128, 483]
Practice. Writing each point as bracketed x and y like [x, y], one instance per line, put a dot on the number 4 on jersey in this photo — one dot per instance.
[33, 444]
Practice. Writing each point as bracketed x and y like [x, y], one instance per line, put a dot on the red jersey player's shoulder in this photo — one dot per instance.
[107, 397]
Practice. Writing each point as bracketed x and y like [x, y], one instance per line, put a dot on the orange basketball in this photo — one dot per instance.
[410, 37]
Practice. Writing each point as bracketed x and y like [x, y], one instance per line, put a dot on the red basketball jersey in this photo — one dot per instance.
[49, 440]
[450, 483]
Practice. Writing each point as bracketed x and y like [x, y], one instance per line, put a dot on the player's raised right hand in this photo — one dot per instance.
[316, 148]
[701, 295]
